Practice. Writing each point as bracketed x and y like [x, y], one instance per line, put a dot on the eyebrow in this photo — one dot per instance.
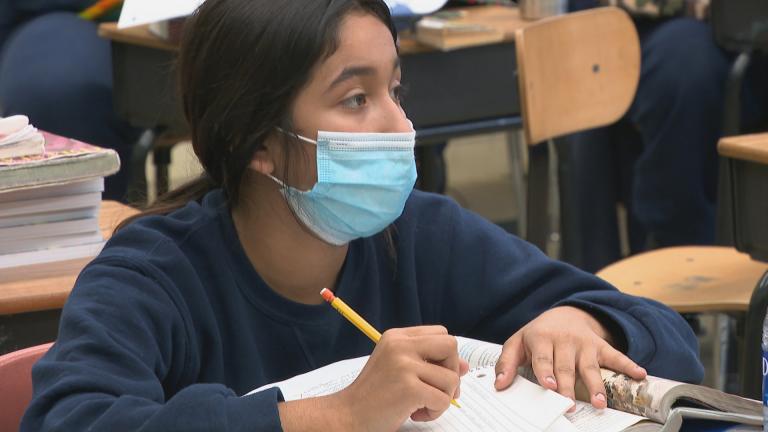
[355, 71]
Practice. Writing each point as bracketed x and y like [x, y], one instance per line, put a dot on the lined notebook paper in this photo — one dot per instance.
[524, 406]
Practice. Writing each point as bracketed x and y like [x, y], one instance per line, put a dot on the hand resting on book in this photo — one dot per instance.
[559, 344]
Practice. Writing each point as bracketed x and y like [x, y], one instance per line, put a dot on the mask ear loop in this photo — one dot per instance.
[292, 134]
[282, 184]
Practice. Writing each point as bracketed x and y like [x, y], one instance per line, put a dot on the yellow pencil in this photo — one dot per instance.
[357, 320]
[99, 8]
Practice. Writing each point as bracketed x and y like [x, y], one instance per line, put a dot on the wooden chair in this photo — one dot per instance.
[580, 71]
[715, 278]
[16, 379]
[575, 72]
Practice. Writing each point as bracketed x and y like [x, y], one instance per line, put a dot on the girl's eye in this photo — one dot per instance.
[355, 101]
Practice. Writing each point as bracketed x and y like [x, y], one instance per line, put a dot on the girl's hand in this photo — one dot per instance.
[559, 343]
[412, 372]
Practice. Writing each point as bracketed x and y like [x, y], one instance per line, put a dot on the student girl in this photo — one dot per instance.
[294, 108]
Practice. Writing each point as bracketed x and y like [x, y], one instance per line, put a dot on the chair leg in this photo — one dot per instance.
[731, 126]
[137, 186]
[537, 197]
[161, 156]
[517, 153]
[432, 176]
[554, 213]
[752, 363]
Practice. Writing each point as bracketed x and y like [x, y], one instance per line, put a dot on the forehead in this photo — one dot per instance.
[363, 40]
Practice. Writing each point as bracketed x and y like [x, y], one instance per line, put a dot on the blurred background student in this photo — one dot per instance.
[57, 70]
[660, 160]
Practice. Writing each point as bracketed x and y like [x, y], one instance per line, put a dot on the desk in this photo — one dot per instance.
[446, 97]
[30, 300]
[746, 164]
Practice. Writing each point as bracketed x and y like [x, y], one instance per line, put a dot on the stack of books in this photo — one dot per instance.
[49, 201]
[451, 29]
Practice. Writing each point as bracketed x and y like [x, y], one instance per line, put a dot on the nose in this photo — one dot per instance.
[394, 118]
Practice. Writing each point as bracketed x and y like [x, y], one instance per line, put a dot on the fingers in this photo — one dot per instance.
[512, 356]
[431, 343]
[565, 369]
[439, 378]
[439, 349]
[433, 400]
[423, 330]
[463, 369]
[589, 371]
[613, 359]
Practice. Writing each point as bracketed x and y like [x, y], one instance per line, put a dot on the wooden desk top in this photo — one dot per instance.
[46, 286]
[752, 148]
[507, 19]
[689, 278]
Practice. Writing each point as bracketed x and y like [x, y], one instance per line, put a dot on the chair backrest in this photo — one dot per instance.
[16, 384]
[740, 24]
[576, 71]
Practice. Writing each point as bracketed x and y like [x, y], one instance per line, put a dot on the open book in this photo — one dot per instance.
[654, 404]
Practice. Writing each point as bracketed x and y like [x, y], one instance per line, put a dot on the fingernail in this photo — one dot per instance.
[499, 377]
[551, 380]
[600, 397]
[573, 407]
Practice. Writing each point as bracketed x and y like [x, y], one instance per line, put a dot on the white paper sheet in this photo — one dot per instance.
[587, 418]
[416, 7]
[139, 12]
[525, 406]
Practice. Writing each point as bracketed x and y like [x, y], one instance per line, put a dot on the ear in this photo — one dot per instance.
[262, 161]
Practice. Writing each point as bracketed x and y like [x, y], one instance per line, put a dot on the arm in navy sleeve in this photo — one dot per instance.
[122, 361]
[496, 283]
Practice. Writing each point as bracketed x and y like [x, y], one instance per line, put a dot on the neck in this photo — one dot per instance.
[289, 258]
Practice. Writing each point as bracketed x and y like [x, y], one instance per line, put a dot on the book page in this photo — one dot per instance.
[478, 353]
[319, 382]
[524, 406]
[587, 418]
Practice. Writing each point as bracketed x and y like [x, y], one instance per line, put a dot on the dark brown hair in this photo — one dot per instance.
[241, 66]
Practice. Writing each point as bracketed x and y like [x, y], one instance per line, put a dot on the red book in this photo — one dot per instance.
[65, 160]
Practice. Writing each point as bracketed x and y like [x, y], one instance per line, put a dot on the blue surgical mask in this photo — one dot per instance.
[363, 181]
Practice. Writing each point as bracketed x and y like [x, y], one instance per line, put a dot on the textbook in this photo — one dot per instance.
[50, 223]
[64, 160]
[447, 35]
[654, 404]
[451, 29]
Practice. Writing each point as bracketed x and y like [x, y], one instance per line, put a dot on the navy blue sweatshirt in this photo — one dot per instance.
[170, 324]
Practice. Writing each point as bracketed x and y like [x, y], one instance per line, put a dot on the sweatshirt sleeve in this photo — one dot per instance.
[122, 361]
[508, 282]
